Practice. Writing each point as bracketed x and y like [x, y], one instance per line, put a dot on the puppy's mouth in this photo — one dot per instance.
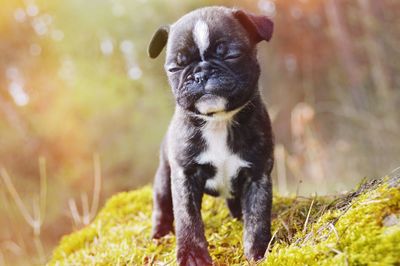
[211, 105]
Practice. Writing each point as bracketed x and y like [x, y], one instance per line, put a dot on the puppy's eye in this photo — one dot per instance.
[220, 50]
[174, 69]
[182, 59]
[233, 55]
[227, 53]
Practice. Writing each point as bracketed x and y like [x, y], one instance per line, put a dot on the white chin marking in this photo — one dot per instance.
[211, 105]
[201, 36]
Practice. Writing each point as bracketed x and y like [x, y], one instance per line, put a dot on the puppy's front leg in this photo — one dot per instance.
[187, 193]
[256, 205]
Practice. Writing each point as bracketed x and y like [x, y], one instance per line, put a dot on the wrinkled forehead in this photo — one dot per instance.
[204, 27]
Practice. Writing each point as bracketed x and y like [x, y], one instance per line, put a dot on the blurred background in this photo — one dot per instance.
[83, 109]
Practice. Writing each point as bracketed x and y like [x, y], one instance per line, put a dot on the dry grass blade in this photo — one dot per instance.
[12, 225]
[88, 210]
[43, 188]
[36, 219]
[334, 230]
[39, 249]
[308, 216]
[97, 186]
[39, 204]
[76, 218]
[36, 214]
[17, 199]
[85, 208]
[12, 247]
[270, 242]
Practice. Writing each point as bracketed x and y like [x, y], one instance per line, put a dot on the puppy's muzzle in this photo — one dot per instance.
[201, 72]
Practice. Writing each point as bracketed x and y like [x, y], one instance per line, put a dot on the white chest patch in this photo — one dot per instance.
[201, 36]
[220, 156]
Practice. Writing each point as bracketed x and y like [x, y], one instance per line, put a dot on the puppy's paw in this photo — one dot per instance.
[161, 230]
[255, 253]
[193, 255]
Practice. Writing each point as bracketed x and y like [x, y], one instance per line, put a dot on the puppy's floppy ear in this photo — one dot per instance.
[158, 41]
[260, 28]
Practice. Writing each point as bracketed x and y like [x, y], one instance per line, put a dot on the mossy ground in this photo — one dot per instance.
[359, 228]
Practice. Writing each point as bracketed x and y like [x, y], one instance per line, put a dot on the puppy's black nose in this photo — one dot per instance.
[200, 72]
[200, 77]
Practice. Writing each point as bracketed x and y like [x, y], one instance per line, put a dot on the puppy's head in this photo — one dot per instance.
[211, 58]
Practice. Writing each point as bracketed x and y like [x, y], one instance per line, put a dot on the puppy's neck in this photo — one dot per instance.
[239, 116]
[221, 116]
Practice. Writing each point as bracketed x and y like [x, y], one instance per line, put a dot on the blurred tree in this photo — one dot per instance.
[75, 80]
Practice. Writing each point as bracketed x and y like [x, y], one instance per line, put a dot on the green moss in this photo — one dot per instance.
[360, 228]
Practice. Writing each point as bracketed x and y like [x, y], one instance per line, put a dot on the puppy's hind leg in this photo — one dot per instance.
[163, 217]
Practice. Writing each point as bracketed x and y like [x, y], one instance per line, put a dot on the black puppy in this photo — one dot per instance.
[219, 141]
